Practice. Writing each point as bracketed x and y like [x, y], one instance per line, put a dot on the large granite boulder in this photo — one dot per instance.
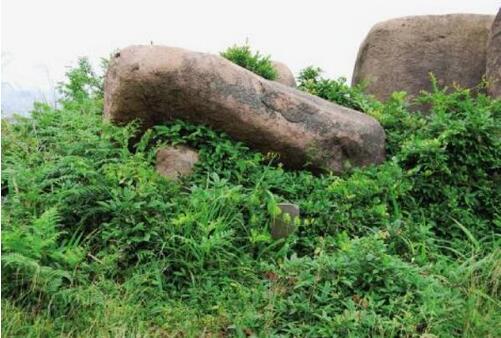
[157, 84]
[493, 71]
[399, 54]
[285, 75]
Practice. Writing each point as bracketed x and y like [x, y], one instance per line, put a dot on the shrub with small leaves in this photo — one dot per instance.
[255, 62]
[336, 91]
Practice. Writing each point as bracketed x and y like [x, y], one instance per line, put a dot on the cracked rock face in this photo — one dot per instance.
[156, 84]
[399, 54]
[493, 72]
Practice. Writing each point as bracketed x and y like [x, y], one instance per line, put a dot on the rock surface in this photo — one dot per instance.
[156, 84]
[285, 75]
[176, 161]
[493, 71]
[284, 224]
[399, 54]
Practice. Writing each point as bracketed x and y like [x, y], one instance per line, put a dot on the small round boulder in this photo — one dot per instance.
[176, 161]
[284, 74]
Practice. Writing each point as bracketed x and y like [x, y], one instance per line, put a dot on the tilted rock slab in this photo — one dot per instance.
[493, 72]
[157, 84]
[399, 54]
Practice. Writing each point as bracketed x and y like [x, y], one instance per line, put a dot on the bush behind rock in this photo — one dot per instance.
[255, 62]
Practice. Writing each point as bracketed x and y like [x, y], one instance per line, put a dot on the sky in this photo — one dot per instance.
[40, 39]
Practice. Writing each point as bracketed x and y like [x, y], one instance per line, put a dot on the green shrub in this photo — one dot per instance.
[336, 91]
[96, 243]
[457, 149]
[255, 62]
[359, 290]
[450, 157]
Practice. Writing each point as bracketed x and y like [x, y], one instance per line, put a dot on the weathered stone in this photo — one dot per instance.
[285, 75]
[176, 161]
[399, 54]
[285, 224]
[493, 71]
[156, 84]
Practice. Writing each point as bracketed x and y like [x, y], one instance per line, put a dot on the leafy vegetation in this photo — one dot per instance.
[96, 243]
[255, 62]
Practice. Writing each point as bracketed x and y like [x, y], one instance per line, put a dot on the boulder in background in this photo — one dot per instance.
[493, 71]
[285, 75]
[399, 54]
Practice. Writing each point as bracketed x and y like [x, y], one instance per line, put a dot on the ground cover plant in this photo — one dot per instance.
[96, 243]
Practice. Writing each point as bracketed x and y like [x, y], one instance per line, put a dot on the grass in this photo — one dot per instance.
[96, 243]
